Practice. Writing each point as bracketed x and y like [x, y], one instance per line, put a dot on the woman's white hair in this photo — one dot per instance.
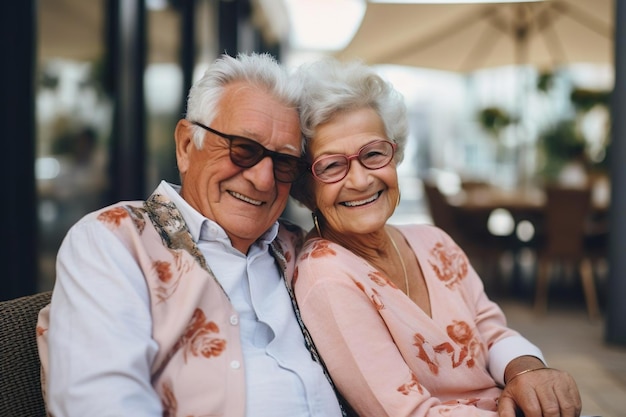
[331, 87]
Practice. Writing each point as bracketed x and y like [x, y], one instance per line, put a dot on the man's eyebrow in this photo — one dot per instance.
[250, 135]
[292, 148]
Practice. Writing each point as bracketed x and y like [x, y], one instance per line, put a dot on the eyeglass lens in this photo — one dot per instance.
[246, 153]
[333, 168]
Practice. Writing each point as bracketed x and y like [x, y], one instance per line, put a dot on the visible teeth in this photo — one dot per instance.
[361, 202]
[246, 199]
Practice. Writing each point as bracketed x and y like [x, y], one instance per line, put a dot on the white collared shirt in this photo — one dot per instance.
[281, 378]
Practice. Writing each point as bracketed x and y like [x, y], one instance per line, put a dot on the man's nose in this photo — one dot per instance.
[261, 174]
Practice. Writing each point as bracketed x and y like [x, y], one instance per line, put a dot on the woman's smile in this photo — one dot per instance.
[358, 203]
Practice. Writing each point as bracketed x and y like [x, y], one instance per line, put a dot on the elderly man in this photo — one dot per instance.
[178, 305]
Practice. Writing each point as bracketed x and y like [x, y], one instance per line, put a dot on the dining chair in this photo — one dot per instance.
[20, 381]
[441, 212]
[566, 217]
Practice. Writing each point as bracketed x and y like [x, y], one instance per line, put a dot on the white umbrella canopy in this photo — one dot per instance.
[464, 37]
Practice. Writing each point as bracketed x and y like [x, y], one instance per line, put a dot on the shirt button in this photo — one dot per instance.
[234, 320]
[235, 365]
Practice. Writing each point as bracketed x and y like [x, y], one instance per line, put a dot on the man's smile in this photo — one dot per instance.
[248, 200]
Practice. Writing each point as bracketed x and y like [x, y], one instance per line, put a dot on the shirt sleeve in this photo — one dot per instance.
[99, 338]
[505, 350]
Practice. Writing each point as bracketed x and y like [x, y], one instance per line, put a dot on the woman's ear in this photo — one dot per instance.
[183, 135]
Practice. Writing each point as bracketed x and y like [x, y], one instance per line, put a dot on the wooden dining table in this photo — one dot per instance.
[526, 206]
[522, 202]
[518, 201]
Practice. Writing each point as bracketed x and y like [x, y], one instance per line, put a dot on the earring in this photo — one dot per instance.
[316, 223]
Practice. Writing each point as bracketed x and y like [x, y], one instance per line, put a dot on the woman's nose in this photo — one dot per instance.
[357, 174]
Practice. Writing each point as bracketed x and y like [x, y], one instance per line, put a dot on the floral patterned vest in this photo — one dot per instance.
[191, 313]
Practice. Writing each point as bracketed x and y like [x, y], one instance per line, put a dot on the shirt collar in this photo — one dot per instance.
[201, 227]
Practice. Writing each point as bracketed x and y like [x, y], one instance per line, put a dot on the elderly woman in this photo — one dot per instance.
[398, 315]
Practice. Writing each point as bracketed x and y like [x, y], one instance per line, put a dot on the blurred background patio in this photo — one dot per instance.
[512, 148]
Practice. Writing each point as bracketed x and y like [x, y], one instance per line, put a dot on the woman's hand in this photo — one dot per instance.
[542, 392]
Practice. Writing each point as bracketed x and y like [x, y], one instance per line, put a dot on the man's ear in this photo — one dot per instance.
[183, 134]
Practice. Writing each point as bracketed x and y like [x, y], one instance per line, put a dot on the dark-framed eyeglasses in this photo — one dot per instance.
[246, 153]
[334, 168]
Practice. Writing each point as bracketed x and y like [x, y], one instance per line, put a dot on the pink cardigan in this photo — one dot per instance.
[385, 354]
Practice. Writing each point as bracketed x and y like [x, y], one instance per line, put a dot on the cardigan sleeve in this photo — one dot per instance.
[504, 343]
